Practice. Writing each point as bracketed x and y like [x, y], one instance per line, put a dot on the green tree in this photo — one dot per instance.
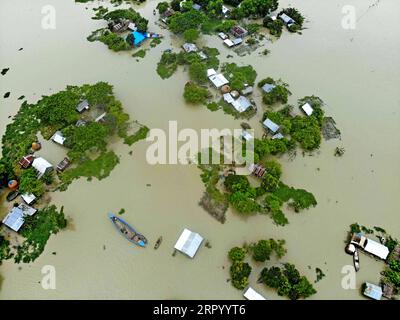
[191, 35]
[237, 254]
[90, 137]
[261, 250]
[235, 182]
[182, 21]
[29, 183]
[240, 272]
[195, 94]
[162, 7]
[198, 72]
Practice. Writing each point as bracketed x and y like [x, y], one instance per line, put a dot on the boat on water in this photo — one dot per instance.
[12, 195]
[158, 242]
[128, 231]
[356, 260]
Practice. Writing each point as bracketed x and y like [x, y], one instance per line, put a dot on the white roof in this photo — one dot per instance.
[277, 136]
[251, 294]
[222, 35]
[307, 109]
[132, 26]
[28, 197]
[211, 72]
[373, 291]
[218, 80]
[225, 10]
[41, 165]
[286, 19]
[241, 104]
[229, 43]
[228, 98]
[270, 125]
[58, 138]
[377, 249]
[189, 242]
[246, 135]
[202, 55]
[268, 87]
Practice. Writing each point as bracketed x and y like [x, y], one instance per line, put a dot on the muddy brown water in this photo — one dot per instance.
[356, 72]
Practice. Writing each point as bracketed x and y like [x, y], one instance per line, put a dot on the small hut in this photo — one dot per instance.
[36, 146]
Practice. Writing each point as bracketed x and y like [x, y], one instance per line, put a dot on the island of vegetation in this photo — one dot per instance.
[285, 279]
[82, 120]
[126, 30]
[390, 276]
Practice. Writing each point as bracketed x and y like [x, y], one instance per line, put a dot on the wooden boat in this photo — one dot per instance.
[127, 231]
[356, 260]
[12, 195]
[158, 242]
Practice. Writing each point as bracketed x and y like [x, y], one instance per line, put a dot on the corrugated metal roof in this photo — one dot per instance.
[307, 109]
[251, 294]
[373, 291]
[270, 125]
[14, 219]
[189, 242]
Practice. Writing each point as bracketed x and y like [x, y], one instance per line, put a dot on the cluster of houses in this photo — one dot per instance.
[238, 33]
[272, 127]
[134, 37]
[15, 217]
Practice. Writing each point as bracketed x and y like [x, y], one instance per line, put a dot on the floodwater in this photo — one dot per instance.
[356, 72]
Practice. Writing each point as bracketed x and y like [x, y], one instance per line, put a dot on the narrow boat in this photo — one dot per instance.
[356, 260]
[158, 242]
[12, 195]
[128, 231]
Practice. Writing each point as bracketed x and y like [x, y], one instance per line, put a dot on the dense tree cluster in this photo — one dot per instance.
[287, 281]
[195, 94]
[239, 76]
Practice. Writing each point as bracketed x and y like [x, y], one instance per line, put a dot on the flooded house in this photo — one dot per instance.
[15, 218]
[217, 79]
[241, 104]
[26, 161]
[270, 126]
[64, 164]
[164, 17]
[190, 47]
[307, 109]
[370, 246]
[118, 26]
[268, 87]
[239, 32]
[372, 291]
[42, 166]
[223, 35]
[58, 138]
[251, 294]
[288, 21]
[189, 243]
[82, 106]
[28, 198]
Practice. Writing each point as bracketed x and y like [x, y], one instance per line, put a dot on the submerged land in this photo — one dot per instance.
[189, 55]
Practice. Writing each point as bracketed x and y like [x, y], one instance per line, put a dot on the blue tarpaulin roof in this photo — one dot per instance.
[138, 37]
